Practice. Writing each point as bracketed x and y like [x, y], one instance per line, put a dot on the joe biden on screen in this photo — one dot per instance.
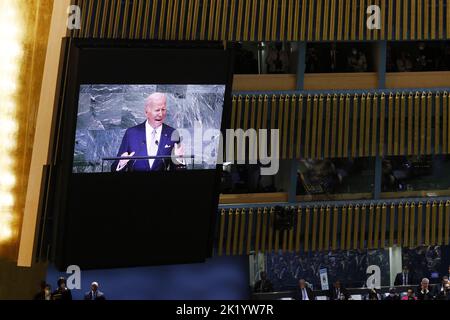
[151, 138]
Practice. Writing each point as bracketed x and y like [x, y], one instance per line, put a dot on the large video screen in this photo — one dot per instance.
[147, 128]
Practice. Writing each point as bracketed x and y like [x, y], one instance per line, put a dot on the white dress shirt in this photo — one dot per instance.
[153, 137]
[305, 294]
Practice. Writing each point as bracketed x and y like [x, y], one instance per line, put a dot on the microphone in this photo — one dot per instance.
[157, 142]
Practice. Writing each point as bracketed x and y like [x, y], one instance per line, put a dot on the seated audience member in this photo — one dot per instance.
[424, 292]
[304, 291]
[263, 285]
[392, 295]
[357, 61]
[62, 293]
[440, 291]
[373, 295]
[94, 294]
[45, 293]
[338, 292]
[410, 295]
[404, 278]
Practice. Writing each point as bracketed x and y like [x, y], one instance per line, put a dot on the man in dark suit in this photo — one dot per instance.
[304, 292]
[62, 293]
[263, 285]
[151, 138]
[94, 294]
[424, 292]
[338, 292]
[404, 278]
[440, 290]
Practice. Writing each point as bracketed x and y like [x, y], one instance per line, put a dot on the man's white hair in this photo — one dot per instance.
[94, 284]
[425, 280]
[157, 96]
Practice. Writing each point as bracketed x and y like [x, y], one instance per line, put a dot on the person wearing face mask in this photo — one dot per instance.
[393, 296]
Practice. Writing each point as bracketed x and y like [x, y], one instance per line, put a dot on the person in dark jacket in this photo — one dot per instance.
[94, 294]
[263, 285]
[304, 291]
[338, 292]
[424, 292]
[62, 293]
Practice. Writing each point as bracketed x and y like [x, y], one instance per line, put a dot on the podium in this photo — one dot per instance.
[166, 159]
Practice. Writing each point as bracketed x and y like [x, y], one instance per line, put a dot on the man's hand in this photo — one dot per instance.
[122, 163]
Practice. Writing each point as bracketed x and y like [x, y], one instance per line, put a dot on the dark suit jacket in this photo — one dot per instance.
[135, 140]
[332, 294]
[399, 279]
[261, 286]
[62, 295]
[100, 296]
[424, 296]
[309, 292]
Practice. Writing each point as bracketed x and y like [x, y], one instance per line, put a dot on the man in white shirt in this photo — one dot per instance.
[152, 138]
[304, 292]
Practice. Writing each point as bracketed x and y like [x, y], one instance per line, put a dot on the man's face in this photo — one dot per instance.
[424, 285]
[410, 293]
[302, 284]
[94, 288]
[337, 285]
[156, 112]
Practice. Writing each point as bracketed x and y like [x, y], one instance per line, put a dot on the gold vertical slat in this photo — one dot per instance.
[315, 114]
[307, 228]
[441, 224]
[343, 227]
[362, 233]
[374, 125]
[273, 112]
[229, 232]
[331, 35]
[347, 17]
[276, 246]
[356, 108]
[396, 123]
[303, 20]
[162, 19]
[280, 118]
[180, 22]
[420, 223]
[382, 121]
[286, 113]
[310, 21]
[290, 13]
[433, 223]
[168, 19]
[236, 231]
[320, 128]
[362, 118]
[412, 216]
[175, 22]
[405, 19]
[347, 126]
[308, 127]
[259, 111]
[147, 16]
[441, 19]
[326, 245]
[341, 125]
[282, 35]
[249, 231]
[340, 26]
[335, 228]
[112, 12]
[242, 232]
[398, 12]
[285, 241]
[390, 124]
[406, 225]
[253, 112]
[326, 18]
[433, 20]
[419, 20]
[314, 230]
[87, 27]
[295, 34]
[356, 227]
[271, 229]
[195, 15]
[354, 15]
[447, 222]
[376, 237]
[400, 225]
[239, 113]
[416, 123]
[212, 16]
[437, 122]
[153, 19]
[253, 22]
[247, 16]
[348, 241]
[246, 112]
[318, 22]
[104, 18]
[448, 17]
[383, 226]
[258, 229]
[427, 224]
[221, 232]
[367, 126]
[299, 125]
[446, 129]
[298, 229]
[131, 32]
[370, 235]
[140, 16]
[274, 20]
[423, 123]
[204, 17]
[402, 124]
[261, 20]
[390, 18]
[265, 112]
[333, 126]
[410, 124]
[429, 121]
[81, 32]
[392, 225]
[98, 6]
[264, 231]
[292, 127]
[225, 21]
[321, 228]
[413, 17]
[233, 112]
[328, 112]
[426, 9]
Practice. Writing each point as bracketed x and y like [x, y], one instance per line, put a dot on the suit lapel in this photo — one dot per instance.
[143, 145]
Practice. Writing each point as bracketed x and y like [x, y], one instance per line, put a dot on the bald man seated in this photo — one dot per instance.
[151, 138]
